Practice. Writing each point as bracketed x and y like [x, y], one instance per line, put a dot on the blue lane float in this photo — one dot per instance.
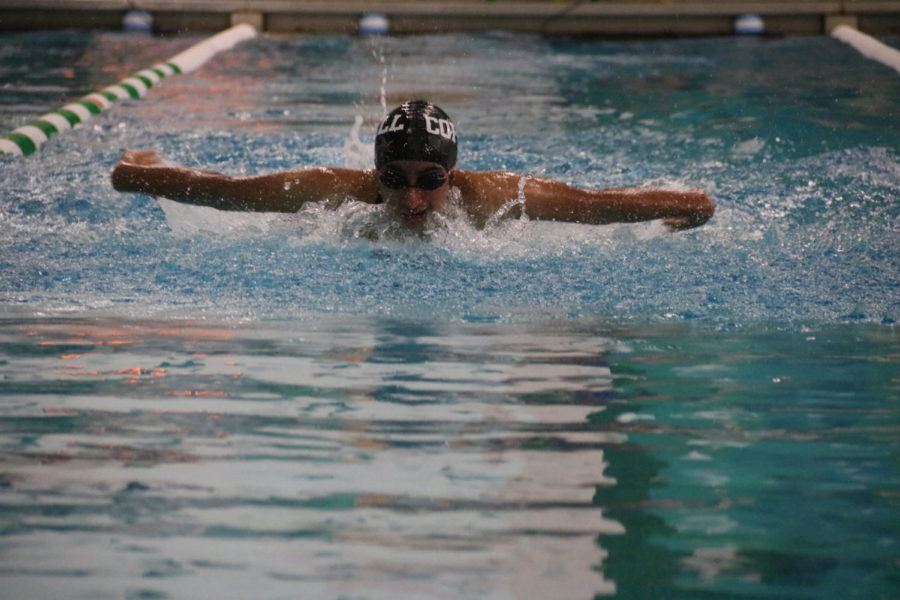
[26, 140]
[374, 24]
[749, 24]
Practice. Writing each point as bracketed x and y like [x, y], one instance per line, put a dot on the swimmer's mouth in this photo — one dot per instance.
[417, 216]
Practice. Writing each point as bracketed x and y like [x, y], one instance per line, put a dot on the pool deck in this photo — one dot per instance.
[551, 17]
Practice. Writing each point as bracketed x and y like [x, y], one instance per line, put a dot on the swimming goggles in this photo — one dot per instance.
[429, 180]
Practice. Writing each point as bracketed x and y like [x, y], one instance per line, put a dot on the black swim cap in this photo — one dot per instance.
[416, 130]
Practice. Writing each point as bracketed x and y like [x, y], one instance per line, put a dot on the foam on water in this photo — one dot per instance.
[804, 229]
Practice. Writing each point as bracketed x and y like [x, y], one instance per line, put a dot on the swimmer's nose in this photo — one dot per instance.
[413, 198]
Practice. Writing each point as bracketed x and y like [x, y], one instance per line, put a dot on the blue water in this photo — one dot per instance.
[199, 404]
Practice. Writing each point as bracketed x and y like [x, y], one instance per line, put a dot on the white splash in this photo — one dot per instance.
[748, 148]
[505, 209]
[186, 220]
[357, 154]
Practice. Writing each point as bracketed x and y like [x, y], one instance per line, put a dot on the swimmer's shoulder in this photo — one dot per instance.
[483, 193]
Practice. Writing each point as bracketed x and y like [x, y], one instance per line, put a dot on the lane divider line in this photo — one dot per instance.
[27, 139]
[868, 46]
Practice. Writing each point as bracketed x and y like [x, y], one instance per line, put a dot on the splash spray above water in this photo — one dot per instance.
[804, 229]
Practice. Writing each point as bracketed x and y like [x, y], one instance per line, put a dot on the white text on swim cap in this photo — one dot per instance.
[441, 127]
[433, 125]
[393, 126]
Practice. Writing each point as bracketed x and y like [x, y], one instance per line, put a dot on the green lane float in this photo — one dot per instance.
[27, 139]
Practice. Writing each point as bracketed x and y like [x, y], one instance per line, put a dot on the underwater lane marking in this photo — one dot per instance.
[868, 46]
[26, 140]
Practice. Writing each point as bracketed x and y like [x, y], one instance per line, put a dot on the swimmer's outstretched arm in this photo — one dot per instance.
[146, 172]
[550, 200]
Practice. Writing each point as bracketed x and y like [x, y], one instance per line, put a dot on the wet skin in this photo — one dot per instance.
[403, 187]
[412, 191]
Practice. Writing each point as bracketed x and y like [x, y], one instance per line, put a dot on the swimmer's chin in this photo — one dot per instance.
[417, 223]
[416, 220]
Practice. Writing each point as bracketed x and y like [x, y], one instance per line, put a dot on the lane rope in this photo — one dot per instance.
[868, 46]
[27, 139]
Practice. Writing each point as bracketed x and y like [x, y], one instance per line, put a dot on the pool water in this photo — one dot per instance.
[203, 404]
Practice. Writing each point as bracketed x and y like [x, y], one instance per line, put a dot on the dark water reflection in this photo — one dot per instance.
[365, 458]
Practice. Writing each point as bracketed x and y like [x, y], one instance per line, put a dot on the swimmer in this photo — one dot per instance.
[415, 171]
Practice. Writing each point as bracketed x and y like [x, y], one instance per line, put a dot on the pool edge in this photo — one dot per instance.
[608, 18]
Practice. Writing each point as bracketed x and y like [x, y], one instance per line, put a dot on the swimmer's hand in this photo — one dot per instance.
[682, 223]
[144, 158]
[130, 173]
[701, 209]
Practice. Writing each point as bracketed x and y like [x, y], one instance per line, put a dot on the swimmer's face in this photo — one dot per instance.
[414, 189]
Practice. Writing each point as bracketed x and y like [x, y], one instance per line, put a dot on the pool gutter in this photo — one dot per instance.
[561, 17]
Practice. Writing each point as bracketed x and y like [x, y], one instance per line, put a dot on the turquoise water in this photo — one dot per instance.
[198, 404]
